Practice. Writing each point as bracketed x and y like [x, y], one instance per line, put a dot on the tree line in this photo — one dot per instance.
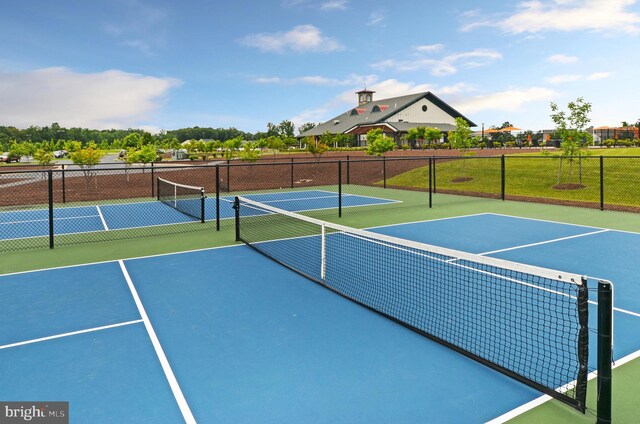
[55, 136]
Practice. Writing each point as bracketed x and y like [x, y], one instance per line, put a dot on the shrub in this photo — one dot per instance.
[496, 144]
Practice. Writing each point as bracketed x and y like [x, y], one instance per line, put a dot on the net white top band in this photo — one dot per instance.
[550, 274]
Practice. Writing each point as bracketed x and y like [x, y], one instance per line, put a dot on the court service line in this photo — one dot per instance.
[543, 242]
[72, 333]
[104, 223]
[29, 221]
[168, 372]
[565, 223]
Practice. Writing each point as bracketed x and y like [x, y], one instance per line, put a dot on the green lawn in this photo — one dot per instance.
[546, 177]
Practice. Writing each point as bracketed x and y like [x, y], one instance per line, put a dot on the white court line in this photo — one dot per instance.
[28, 221]
[565, 223]
[168, 372]
[544, 398]
[109, 261]
[104, 223]
[72, 333]
[543, 242]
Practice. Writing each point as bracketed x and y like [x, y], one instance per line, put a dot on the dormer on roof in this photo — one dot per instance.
[379, 108]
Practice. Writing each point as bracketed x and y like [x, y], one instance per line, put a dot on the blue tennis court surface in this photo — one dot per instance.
[82, 219]
[227, 336]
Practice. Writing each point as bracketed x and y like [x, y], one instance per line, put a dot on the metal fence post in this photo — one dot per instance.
[502, 177]
[228, 177]
[153, 193]
[50, 184]
[384, 171]
[430, 183]
[348, 170]
[217, 197]
[291, 172]
[340, 189]
[64, 191]
[601, 183]
[434, 174]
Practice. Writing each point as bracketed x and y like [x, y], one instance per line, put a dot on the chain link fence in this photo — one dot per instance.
[42, 208]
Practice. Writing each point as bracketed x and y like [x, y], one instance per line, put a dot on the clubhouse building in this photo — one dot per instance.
[394, 116]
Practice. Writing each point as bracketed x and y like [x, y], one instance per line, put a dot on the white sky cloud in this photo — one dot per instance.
[562, 59]
[353, 79]
[507, 100]
[447, 65]
[561, 79]
[534, 16]
[598, 76]
[376, 18]
[334, 5]
[302, 38]
[429, 48]
[110, 99]
[139, 45]
[565, 78]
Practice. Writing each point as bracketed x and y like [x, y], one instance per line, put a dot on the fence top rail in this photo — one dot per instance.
[308, 161]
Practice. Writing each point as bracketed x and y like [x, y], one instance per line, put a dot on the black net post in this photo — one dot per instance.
[601, 182]
[217, 197]
[64, 191]
[50, 186]
[583, 345]
[605, 335]
[202, 199]
[153, 180]
[502, 177]
[236, 207]
[340, 189]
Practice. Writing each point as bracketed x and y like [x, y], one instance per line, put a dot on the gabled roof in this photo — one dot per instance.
[399, 126]
[378, 111]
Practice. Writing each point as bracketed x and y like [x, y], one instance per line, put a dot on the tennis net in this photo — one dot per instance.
[527, 322]
[185, 198]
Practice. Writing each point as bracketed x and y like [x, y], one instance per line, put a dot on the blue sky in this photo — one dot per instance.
[169, 64]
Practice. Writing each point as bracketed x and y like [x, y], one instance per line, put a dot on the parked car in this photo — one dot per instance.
[58, 154]
[8, 157]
